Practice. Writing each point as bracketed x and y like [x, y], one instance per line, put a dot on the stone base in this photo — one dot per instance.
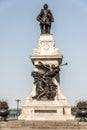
[58, 109]
[43, 125]
[45, 110]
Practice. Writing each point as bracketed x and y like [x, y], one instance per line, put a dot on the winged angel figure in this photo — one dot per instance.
[43, 79]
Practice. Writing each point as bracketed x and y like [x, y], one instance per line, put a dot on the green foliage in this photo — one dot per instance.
[74, 110]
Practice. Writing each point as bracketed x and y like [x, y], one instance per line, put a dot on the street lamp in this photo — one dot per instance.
[18, 101]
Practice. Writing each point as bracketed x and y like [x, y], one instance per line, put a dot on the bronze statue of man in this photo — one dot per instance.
[45, 18]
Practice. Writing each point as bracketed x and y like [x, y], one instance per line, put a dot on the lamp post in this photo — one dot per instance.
[18, 101]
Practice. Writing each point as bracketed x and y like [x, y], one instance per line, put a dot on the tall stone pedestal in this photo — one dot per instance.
[57, 109]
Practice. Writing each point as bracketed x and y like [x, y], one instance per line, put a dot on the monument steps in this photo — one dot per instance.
[43, 125]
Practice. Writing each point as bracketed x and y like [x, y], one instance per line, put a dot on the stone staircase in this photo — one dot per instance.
[43, 125]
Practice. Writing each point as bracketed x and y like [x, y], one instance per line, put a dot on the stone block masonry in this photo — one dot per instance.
[46, 101]
[43, 125]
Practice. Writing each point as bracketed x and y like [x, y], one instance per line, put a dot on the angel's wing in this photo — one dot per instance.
[42, 66]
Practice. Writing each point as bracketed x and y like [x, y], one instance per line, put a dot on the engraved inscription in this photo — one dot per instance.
[45, 111]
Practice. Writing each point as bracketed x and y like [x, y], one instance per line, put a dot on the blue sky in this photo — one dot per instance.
[19, 35]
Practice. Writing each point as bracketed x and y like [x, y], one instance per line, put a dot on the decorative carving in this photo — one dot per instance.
[45, 87]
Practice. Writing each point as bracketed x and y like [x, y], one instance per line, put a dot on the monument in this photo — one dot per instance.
[46, 102]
